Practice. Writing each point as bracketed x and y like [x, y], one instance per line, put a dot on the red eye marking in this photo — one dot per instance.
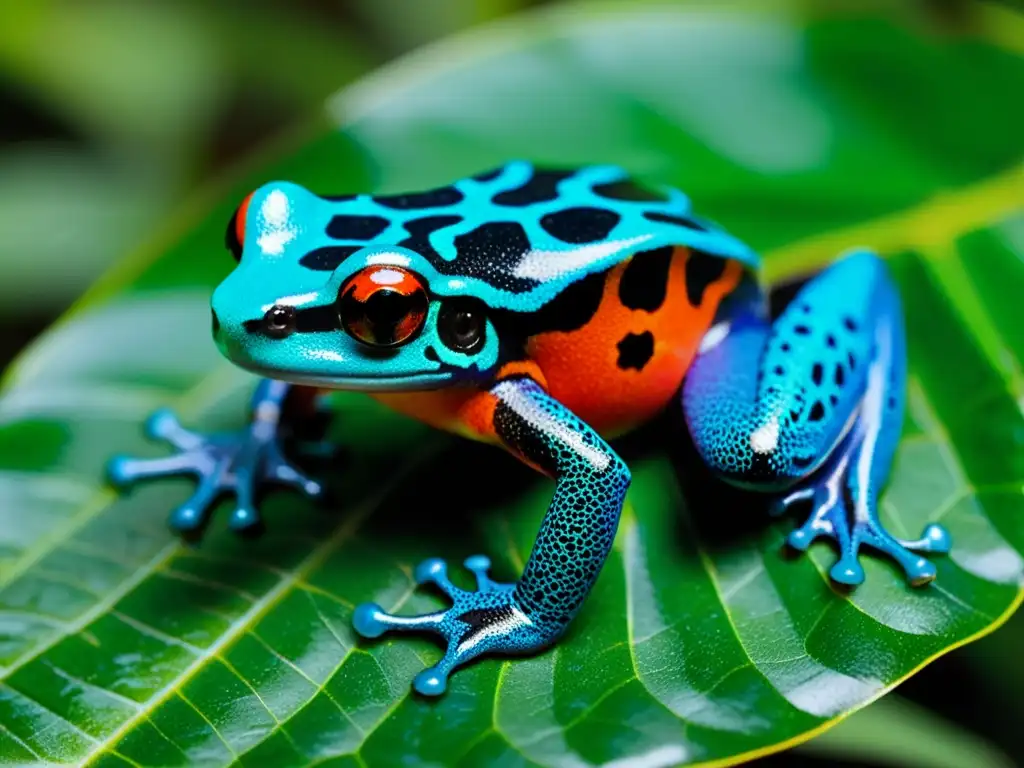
[383, 306]
[235, 236]
[243, 210]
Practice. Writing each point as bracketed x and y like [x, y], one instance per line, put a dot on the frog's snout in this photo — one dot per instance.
[215, 322]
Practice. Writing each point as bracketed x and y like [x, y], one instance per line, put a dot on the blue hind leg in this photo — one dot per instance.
[811, 408]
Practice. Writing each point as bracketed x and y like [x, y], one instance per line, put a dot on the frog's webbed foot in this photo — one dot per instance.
[238, 463]
[853, 522]
[481, 621]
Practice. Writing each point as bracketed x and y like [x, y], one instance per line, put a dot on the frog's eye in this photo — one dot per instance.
[235, 235]
[461, 325]
[383, 306]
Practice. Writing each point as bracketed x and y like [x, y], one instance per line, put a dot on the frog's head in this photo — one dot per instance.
[374, 316]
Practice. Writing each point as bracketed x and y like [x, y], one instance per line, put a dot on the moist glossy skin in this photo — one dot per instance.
[547, 311]
[511, 241]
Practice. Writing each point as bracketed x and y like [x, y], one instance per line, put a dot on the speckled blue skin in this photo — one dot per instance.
[808, 408]
[811, 407]
[573, 543]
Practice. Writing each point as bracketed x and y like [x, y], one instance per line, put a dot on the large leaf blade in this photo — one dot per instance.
[118, 645]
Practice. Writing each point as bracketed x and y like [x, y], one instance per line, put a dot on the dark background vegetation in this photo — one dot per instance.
[112, 112]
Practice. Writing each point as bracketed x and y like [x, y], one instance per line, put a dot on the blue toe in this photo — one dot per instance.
[186, 519]
[158, 422]
[799, 539]
[367, 620]
[117, 470]
[244, 519]
[938, 538]
[848, 573]
[921, 572]
[430, 683]
[429, 570]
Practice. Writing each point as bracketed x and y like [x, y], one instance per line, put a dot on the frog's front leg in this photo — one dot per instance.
[574, 540]
[811, 408]
[238, 463]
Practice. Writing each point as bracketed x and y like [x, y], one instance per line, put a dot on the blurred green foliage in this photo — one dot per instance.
[115, 111]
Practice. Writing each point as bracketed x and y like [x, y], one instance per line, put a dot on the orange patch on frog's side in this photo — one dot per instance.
[582, 366]
[464, 410]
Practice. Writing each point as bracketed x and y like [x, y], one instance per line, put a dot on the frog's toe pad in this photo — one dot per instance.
[847, 573]
[119, 470]
[370, 620]
[246, 521]
[163, 424]
[430, 682]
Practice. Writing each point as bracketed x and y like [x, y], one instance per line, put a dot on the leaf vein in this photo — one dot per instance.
[156, 634]
[99, 609]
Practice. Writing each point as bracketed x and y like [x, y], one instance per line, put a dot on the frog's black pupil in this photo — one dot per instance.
[385, 309]
[464, 325]
[279, 321]
[461, 328]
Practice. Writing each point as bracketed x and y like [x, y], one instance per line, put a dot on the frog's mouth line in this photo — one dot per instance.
[378, 383]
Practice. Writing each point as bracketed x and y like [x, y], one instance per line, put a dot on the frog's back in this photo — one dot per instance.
[610, 283]
[613, 345]
[515, 237]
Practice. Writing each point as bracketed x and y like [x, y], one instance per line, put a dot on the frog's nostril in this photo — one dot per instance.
[216, 322]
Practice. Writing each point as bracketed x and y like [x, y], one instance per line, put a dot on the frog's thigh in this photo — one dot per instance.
[768, 403]
[821, 391]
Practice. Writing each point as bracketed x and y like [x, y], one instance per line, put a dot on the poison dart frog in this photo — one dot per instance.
[549, 311]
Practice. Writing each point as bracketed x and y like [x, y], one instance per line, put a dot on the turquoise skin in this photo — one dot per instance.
[807, 408]
[520, 269]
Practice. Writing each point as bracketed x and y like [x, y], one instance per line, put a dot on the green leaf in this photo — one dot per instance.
[148, 79]
[895, 732]
[806, 133]
[283, 52]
